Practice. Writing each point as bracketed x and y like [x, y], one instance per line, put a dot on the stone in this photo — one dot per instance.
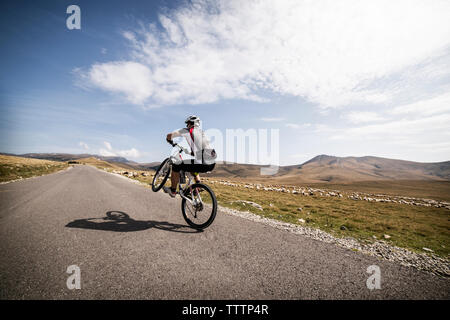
[253, 204]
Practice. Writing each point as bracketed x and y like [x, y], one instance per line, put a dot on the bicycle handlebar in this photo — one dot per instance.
[171, 142]
[174, 144]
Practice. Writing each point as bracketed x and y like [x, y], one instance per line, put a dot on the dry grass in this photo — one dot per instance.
[13, 168]
[438, 190]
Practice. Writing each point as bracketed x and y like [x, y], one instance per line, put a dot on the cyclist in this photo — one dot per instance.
[204, 155]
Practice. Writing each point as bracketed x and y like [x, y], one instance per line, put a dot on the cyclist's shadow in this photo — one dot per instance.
[121, 222]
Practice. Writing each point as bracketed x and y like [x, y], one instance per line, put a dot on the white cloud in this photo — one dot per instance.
[130, 78]
[429, 106]
[363, 116]
[272, 119]
[83, 145]
[110, 152]
[297, 126]
[414, 129]
[418, 131]
[107, 153]
[132, 153]
[332, 53]
[292, 125]
[107, 145]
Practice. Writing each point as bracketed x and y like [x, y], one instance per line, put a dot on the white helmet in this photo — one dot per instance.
[193, 119]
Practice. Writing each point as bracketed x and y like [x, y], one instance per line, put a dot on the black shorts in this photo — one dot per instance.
[188, 167]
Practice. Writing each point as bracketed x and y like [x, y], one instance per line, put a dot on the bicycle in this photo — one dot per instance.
[199, 203]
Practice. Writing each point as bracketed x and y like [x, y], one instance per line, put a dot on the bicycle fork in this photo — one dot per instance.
[181, 193]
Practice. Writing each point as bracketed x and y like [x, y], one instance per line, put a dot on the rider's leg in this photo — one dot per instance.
[174, 179]
[197, 178]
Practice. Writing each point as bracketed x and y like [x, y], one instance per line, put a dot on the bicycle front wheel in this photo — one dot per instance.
[201, 211]
[161, 175]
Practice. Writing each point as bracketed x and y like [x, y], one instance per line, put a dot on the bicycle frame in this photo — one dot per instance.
[190, 178]
[189, 185]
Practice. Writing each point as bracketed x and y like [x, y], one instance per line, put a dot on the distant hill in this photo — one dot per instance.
[102, 163]
[322, 168]
[330, 168]
[149, 166]
[67, 156]
[236, 170]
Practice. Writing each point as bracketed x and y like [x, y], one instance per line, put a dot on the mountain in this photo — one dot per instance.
[119, 161]
[67, 156]
[325, 168]
[56, 156]
[236, 170]
[322, 168]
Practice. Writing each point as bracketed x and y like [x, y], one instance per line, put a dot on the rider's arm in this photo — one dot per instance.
[176, 133]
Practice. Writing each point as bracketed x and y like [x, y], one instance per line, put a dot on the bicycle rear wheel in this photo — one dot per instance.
[202, 212]
[161, 175]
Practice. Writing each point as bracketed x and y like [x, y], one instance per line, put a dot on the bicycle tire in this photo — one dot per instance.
[158, 187]
[213, 212]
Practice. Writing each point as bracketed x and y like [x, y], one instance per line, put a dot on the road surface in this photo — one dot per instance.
[55, 221]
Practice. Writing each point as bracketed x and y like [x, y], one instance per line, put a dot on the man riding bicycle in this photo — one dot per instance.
[203, 154]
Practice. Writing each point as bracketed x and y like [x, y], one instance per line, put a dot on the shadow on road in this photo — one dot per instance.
[121, 222]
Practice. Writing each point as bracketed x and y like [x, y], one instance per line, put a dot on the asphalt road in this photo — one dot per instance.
[52, 222]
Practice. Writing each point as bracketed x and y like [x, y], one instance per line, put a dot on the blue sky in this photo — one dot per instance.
[352, 78]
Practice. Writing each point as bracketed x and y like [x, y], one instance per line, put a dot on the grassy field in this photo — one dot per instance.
[408, 226]
[12, 168]
[438, 190]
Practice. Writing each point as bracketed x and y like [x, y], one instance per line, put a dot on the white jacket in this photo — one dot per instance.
[200, 145]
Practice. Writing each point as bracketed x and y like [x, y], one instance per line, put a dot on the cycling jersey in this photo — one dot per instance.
[199, 144]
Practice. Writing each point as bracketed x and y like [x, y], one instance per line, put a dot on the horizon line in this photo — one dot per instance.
[223, 161]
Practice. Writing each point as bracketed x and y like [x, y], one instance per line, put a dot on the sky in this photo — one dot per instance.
[342, 78]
